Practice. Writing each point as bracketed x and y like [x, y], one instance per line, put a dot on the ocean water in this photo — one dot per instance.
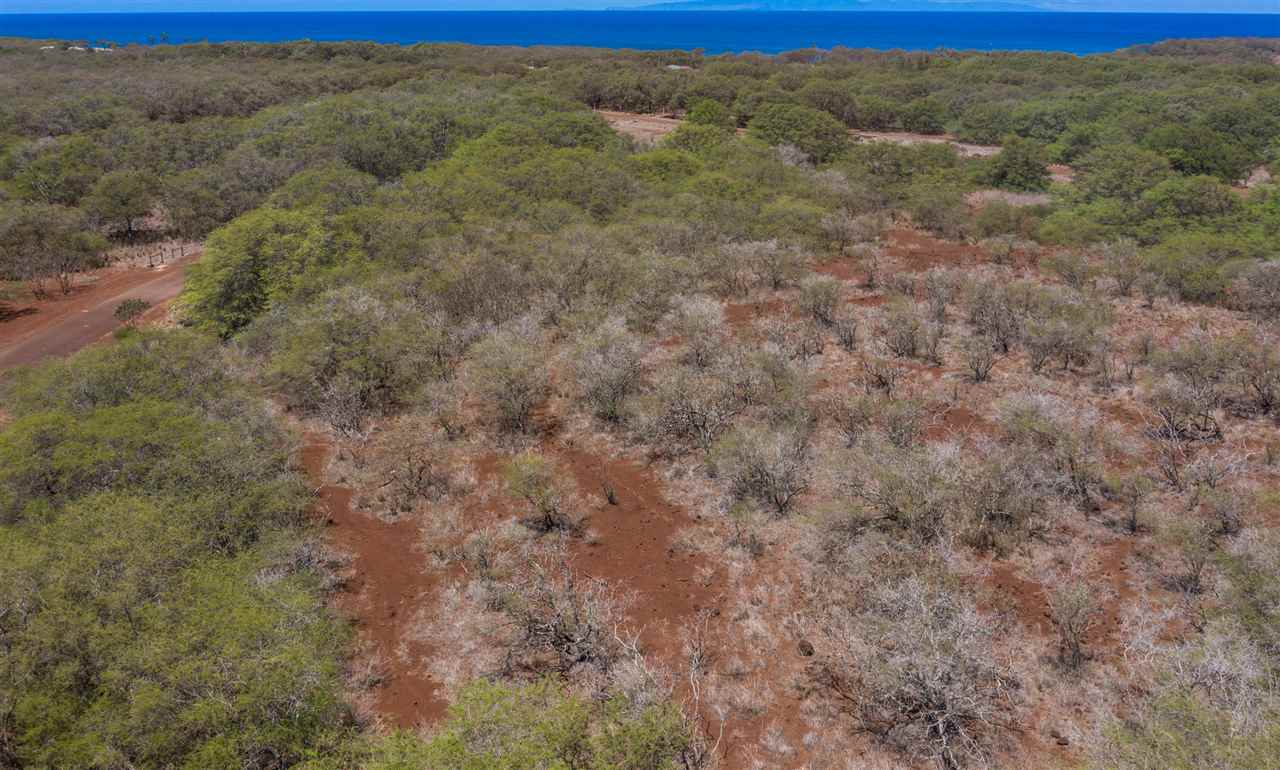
[713, 31]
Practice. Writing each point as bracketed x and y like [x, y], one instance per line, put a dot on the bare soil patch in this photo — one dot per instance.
[647, 128]
[386, 580]
[917, 252]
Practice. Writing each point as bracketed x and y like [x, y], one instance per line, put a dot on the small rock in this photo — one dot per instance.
[806, 649]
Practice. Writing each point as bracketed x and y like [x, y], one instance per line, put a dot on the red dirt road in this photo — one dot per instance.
[33, 331]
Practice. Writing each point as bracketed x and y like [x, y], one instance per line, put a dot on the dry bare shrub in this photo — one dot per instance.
[914, 666]
[1203, 366]
[1001, 501]
[1076, 606]
[941, 286]
[1071, 340]
[1230, 507]
[1132, 491]
[1257, 290]
[902, 330]
[341, 402]
[980, 357]
[910, 491]
[1257, 375]
[1210, 470]
[846, 331]
[509, 370]
[1230, 670]
[853, 415]
[443, 403]
[775, 265]
[699, 322]
[844, 230]
[769, 464]
[1071, 266]
[993, 314]
[1068, 441]
[903, 421]
[934, 335]
[870, 258]
[1212, 703]
[819, 298]
[608, 369]
[413, 466]
[882, 374]
[793, 340]
[559, 621]
[653, 280]
[1152, 288]
[728, 270]
[693, 407]
[1122, 263]
[1178, 411]
[1192, 540]
[1000, 247]
[534, 478]
[901, 285]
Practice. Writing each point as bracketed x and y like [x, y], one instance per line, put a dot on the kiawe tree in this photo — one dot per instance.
[816, 133]
[261, 258]
[120, 199]
[39, 241]
[1019, 166]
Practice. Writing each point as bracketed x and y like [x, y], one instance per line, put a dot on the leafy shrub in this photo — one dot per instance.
[512, 727]
[816, 133]
[349, 354]
[258, 261]
[1020, 166]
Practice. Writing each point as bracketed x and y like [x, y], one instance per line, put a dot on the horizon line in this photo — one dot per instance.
[655, 8]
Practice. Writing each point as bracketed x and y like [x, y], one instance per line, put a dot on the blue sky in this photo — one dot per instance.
[103, 6]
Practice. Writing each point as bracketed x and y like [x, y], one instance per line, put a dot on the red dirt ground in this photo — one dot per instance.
[740, 315]
[34, 330]
[917, 251]
[633, 547]
[388, 580]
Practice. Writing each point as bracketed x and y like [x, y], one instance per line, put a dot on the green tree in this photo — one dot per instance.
[40, 241]
[504, 727]
[61, 172]
[816, 133]
[260, 260]
[1198, 149]
[1020, 165]
[709, 112]
[1120, 171]
[121, 198]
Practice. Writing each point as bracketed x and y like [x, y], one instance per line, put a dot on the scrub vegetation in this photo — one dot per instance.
[893, 410]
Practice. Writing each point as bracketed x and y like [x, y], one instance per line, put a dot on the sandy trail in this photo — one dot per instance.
[653, 127]
[33, 331]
